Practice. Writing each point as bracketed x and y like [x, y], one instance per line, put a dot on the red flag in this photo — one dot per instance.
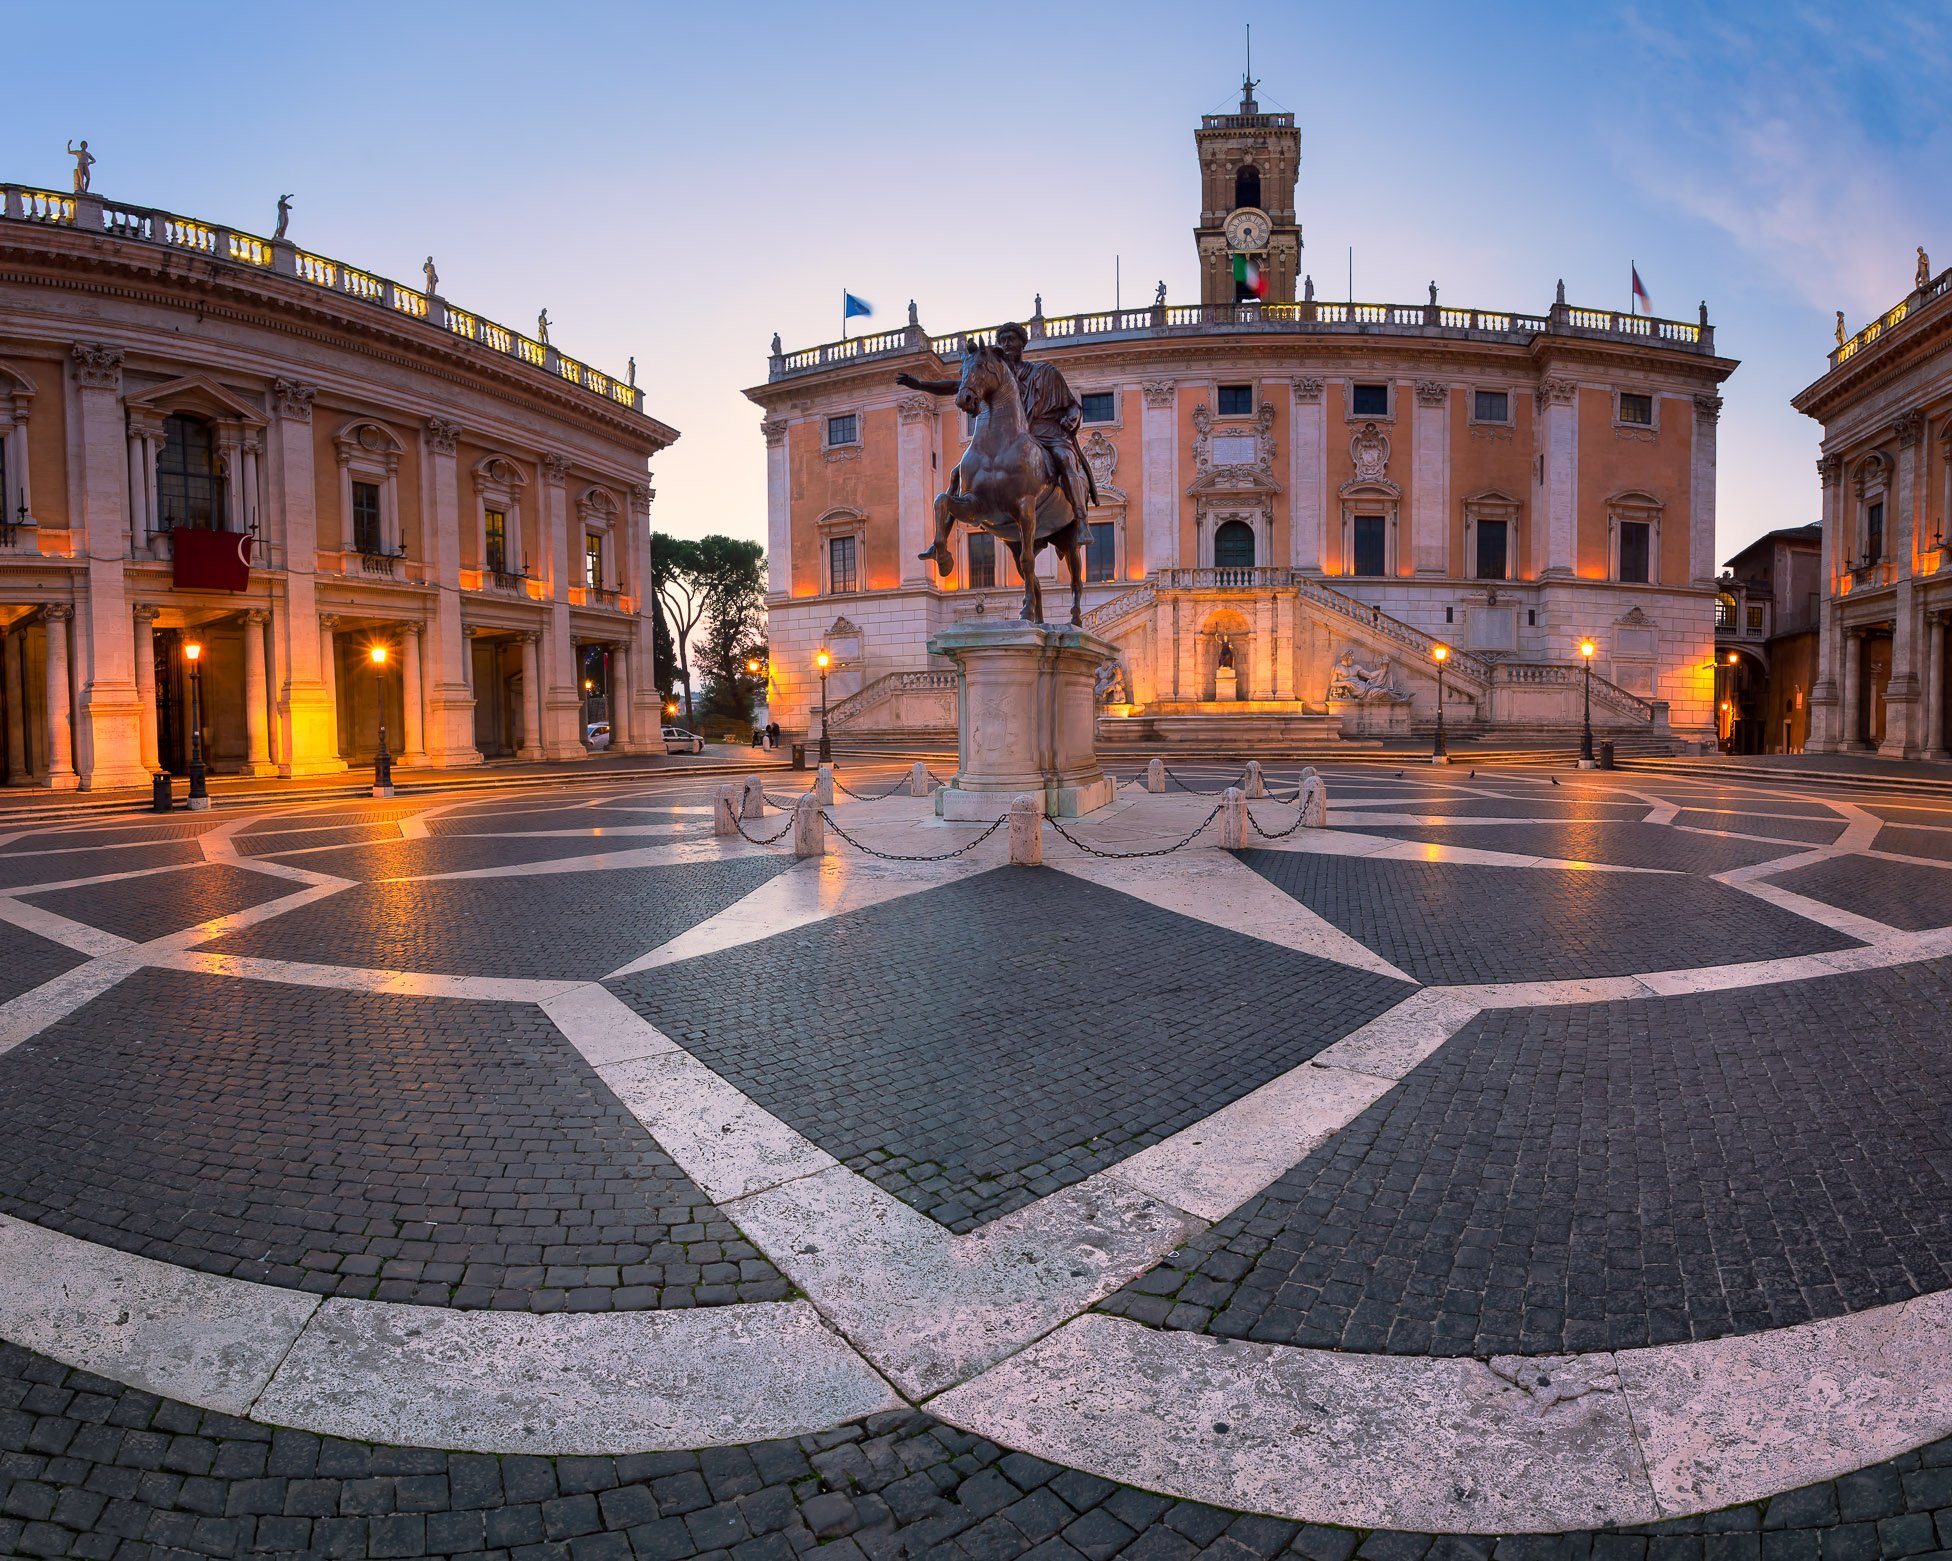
[210, 560]
[1640, 299]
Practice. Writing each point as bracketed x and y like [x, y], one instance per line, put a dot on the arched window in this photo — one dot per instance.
[1233, 545]
[189, 484]
[1247, 186]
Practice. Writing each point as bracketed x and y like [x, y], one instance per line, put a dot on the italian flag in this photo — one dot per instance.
[1248, 272]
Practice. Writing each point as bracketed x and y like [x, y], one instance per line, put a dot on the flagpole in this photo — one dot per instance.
[843, 314]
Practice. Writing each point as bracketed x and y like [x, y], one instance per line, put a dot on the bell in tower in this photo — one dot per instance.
[1248, 239]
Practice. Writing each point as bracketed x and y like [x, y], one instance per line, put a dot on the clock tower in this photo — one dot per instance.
[1249, 162]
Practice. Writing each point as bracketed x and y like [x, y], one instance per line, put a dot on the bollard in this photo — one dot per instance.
[799, 756]
[1314, 802]
[1255, 783]
[725, 811]
[1233, 819]
[753, 804]
[823, 785]
[160, 798]
[918, 779]
[1026, 833]
[1155, 775]
[809, 831]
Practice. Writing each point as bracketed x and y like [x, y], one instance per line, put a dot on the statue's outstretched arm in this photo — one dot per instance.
[934, 387]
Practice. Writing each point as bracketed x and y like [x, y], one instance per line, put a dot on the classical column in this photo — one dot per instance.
[1701, 491]
[107, 735]
[532, 699]
[915, 500]
[1430, 479]
[19, 761]
[562, 701]
[1823, 734]
[620, 729]
[1934, 681]
[1159, 496]
[449, 731]
[328, 665]
[412, 696]
[60, 702]
[1558, 407]
[1307, 465]
[257, 755]
[146, 681]
[308, 728]
[1851, 737]
[779, 510]
[1902, 727]
[1264, 649]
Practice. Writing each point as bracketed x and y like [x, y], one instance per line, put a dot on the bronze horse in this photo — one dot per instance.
[1005, 483]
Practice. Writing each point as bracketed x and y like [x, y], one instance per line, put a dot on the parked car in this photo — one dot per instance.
[596, 737]
[678, 740]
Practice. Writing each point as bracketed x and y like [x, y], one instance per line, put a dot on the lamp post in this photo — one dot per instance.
[1586, 649]
[823, 661]
[382, 761]
[1728, 704]
[199, 796]
[1438, 753]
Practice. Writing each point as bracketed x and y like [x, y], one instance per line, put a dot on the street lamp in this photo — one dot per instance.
[823, 661]
[1586, 649]
[1438, 754]
[382, 761]
[199, 796]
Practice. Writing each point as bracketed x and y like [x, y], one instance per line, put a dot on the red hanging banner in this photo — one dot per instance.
[210, 560]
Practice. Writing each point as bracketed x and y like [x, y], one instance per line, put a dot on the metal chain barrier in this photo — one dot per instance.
[890, 856]
[1091, 850]
[1277, 834]
[880, 796]
[1196, 791]
[783, 802]
[933, 776]
[766, 840]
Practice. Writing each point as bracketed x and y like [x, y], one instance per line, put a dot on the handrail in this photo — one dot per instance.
[884, 688]
[1571, 674]
[1121, 607]
[1308, 318]
[228, 246]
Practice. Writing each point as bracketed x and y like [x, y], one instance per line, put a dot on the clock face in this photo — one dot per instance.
[1247, 229]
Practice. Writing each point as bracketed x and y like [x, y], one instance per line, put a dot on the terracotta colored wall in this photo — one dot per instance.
[1610, 463]
[1488, 461]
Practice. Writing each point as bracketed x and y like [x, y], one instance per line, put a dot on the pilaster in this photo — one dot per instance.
[1701, 491]
[449, 729]
[307, 717]
[779, 511]
[108, 735]
[1558, 406]
[1158, 443]
[1307, 468]
[1902, 734]
[914, 479]
[562, 705]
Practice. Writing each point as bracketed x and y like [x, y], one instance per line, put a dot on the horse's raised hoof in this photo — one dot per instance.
[1077, 620]
[940, 556]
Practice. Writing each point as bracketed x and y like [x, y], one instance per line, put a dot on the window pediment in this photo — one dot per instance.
[499, 472]
[199, 395]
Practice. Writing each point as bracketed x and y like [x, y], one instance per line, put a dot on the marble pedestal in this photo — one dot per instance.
[1226, 685]
[1025, 719]
[1372, 717]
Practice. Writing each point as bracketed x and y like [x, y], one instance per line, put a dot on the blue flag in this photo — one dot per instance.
[852, 306]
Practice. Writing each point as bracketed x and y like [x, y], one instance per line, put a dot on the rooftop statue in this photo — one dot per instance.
[1023, 476]
[1924, 263]
[284, 216]
[542, 327]
[433, 276]
[1840, 327]
[85, 160]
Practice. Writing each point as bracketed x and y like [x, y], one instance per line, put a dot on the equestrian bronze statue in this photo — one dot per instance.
[1023, 476]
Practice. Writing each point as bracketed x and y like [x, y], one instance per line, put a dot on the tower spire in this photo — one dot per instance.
[1247, 81]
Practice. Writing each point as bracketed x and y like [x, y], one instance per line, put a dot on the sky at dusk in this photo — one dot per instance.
[679, 182]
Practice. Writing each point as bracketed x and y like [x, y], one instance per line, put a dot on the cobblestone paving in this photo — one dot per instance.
[1817, 831]
[1600, 1177]
[980, 1044]
[1916, 842]
[26, 961]
[1902, 813]
[1899, 894]
[396, 1148]
[1618, 844]
[91, 1469]
[546, 926]
[59, 864]
[307, 837]
[124, 834]
[1460, 925]
[145, 908]
[396, 858]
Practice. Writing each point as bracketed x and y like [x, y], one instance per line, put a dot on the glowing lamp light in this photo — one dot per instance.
[378, 654]
[1440, 653]
[192, 650]
[589, 685]
[1732, 658]
[671, 707]
[822, 660]
[752, 666]
[1586, 649]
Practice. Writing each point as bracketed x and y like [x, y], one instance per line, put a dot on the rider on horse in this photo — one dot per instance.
[1052, 412]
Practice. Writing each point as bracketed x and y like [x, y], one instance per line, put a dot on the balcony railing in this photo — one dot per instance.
[1892, 318]
[379, 562]
[510, 582]
[599, 596]
[1311, 317]
[143, 225]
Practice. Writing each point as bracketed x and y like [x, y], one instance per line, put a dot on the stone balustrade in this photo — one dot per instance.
[1892, 318]
[143, 225]
[1311, 317]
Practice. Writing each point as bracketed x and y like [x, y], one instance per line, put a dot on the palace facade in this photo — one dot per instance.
[1282, 481]
[1885, 404]
[208, 437]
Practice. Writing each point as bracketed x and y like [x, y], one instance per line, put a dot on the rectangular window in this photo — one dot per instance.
[844, 429]
[1492, 539]
[1491, 406]
[1370, 550]
[1874, 534]
[1636, 409]
[1100, 406]
[1236, 400]
[593, 559]
[1369, 400]
[842, 567]
[1636, 537]
[366, 517]
[1755, 620]
[1724, 613]
[1099, 550]
[982, 559]
[495, 524]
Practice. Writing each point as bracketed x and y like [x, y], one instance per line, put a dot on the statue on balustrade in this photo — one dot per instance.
[433, 276]
[1159, 298]
[284, 216]
[1023, 458]
[84, 161]
[542, 327]
[1924, 263]
[1349, 680]
[1840, 327]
